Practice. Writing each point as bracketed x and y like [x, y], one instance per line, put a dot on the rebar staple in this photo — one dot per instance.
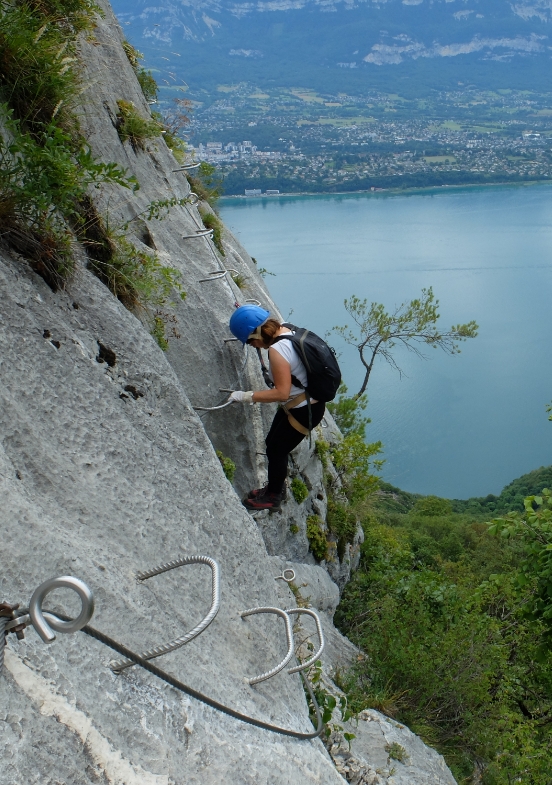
[304, 665]
[290, 642]
[165, 648]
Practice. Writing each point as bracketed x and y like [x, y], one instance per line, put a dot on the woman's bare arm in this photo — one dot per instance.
[281, 373]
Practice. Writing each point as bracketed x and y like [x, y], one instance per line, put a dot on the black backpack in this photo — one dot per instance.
[323, 374]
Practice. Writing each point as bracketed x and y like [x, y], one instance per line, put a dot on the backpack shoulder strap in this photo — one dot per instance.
[295, 341]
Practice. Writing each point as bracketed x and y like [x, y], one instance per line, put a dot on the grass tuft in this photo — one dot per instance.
[133, 128]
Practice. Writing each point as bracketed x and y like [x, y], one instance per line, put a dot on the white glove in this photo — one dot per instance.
[241, 397]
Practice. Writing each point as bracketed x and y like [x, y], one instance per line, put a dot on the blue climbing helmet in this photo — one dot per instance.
[246, 319]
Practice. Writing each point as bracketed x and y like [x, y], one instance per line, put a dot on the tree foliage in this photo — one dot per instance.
[410, 324]
[451, 615]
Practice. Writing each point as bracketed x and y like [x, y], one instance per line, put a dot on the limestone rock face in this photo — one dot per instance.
[99, 484]
[107, 470]
[384, 752]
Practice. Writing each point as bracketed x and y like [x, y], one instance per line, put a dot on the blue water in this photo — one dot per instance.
[453, 426]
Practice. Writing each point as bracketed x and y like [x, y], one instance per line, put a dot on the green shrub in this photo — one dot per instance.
[228, 466]
[294, 529]
[347, 412]
[133, 128]
[136, 277]
[145, 78]
[317, 537]
[397, 752]
[207, 184]
[38, 77]
[322, 450]
[342, 522]
[299, 490]
[355, 462]
[432, 506]
[212, 221]
[44, 180]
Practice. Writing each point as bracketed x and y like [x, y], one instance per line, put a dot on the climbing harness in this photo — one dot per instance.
[158, 651]
[14, 620]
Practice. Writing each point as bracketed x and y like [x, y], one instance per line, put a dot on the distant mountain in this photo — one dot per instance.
[408, 45]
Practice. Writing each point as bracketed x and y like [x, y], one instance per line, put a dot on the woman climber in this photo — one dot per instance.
[297, 415]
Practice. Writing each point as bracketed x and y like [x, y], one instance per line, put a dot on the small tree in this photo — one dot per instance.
[410, 324]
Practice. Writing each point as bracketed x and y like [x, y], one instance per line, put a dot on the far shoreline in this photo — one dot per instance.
[389, 191]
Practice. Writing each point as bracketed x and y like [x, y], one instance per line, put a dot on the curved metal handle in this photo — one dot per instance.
[289, 636]
[192, 197]
[199, 233]
[165, 648]
[215, 275]
[321, 641]
[187, 166]
[45, 628]
[252, 301]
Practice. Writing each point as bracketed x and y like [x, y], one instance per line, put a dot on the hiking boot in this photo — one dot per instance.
[264, 501]
[256, 492]
[259, 491]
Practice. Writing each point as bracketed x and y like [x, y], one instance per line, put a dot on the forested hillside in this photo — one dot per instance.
[453, 615]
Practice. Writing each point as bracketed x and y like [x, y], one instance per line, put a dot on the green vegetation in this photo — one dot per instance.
[145, 78]
[377, 331]
[341, 522]
[37, 58]
[299, 490]
[212, 221]
[136, 277]
[512, 496]
[207, 183]
[228, 466]
[133, 128]
[397, 752]
[44, 178]
[454, 616]
[317, 537]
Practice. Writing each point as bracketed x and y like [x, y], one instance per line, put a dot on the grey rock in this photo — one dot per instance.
[384, 751]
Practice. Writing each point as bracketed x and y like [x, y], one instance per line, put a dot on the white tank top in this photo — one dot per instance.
[288, 351]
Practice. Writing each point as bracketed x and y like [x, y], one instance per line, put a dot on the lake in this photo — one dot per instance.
[452, 426]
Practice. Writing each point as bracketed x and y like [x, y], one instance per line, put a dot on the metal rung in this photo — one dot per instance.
[187, 166]
[316, 656]
[215, 275]
[199, 233]
[289, 636]
[252, 301]
[165, 648]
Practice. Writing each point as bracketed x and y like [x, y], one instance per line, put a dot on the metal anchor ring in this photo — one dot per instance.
[165, 648]
[288, 575]
[37, 616]
[290, 642]
[312, 660]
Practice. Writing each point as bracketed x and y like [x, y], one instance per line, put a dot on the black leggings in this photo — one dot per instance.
[282, 438]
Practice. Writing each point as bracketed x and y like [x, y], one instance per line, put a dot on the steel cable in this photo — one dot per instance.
[3, 622]
[177, 684]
